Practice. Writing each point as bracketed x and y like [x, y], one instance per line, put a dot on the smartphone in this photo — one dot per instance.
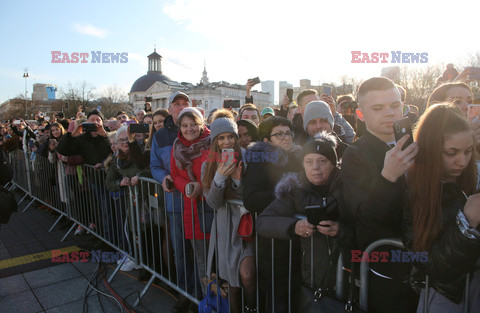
[290, 94]
[16, 122]
[326, 211]
[139, 128]
[228, 155]
[315, 214]
[256, 80]
[189, 189]
[327, 90]
[473, 112]
[89, 127]
[169, 183]
[231, 104]
[401, 128]
[47, 118]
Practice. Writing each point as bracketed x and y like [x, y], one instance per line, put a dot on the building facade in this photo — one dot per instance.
[210, 95]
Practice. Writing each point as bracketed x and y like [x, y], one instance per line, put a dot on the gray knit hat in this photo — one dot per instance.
[317, 109]
[223, 125]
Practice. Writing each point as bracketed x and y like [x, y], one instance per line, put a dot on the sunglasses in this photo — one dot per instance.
[349, 104]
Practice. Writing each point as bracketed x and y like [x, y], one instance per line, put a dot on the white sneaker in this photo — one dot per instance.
[129, 265]
[80, 230]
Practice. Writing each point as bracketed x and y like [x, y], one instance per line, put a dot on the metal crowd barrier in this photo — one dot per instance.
[135, 223]
[365, 268]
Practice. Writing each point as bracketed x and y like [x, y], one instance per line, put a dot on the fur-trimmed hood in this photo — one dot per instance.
[291, 182]
[266, 152]
[287, 185]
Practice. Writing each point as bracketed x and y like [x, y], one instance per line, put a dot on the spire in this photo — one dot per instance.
[204, 79]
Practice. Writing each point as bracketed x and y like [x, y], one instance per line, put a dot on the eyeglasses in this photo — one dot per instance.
[349, 104]
[281, 135]
[123, 140]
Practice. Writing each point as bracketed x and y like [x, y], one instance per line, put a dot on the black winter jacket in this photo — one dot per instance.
[453, 255]
[293, 194]
[92, 149]
[261, 177]
[374, 204]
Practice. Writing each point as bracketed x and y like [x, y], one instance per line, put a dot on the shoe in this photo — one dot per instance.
[129, 265]
[80, 230]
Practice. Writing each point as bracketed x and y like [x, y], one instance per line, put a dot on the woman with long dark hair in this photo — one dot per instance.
[445, 209]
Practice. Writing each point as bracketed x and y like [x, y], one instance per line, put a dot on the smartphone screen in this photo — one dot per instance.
[228, 156]
[327, 90]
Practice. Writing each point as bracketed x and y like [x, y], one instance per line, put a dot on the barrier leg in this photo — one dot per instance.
[56, 222]
[23, 198]
[117, 269]
[28, 205]
[68, 232]
[144, 290]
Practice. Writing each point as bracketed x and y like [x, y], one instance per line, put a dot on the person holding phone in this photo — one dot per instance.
[444, 210]
[373, 172]
[222, 180]
[188, 154]
[319, 181]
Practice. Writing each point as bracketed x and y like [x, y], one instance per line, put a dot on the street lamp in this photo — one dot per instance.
[25, 75]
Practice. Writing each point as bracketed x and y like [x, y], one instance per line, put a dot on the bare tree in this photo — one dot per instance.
[419, 83]
[113, 100]
[78, 94]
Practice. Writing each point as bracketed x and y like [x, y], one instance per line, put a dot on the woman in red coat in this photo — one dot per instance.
[188, 154]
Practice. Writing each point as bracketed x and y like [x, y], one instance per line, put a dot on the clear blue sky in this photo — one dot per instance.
[238, 39]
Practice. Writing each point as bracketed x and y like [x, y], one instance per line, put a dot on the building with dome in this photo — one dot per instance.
[210, 95]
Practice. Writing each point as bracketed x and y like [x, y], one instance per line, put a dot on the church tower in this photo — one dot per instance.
[204, 79]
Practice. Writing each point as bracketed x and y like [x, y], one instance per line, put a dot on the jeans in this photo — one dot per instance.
[183, 256]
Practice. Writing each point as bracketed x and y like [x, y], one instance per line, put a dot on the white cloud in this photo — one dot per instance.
[90, 30]
[285, 40]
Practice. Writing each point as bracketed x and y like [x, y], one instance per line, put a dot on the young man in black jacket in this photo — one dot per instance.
[373, 176]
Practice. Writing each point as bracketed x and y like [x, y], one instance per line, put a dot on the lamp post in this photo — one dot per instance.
[25, 75]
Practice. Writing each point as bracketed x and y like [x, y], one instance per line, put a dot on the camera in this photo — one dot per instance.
[89, 127]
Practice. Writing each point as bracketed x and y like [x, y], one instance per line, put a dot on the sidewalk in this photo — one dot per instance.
[31, 282]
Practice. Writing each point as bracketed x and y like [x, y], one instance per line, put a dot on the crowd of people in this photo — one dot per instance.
[322, 175]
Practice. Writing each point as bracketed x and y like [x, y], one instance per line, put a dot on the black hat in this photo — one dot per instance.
[322, 143]
[96, 112]
[252, 129]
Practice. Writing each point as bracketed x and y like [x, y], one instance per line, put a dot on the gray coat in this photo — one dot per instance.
[231, 248]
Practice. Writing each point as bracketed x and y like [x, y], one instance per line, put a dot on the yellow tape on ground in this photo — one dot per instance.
[21, 260]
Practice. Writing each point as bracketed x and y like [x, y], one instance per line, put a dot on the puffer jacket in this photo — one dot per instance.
[293, 193]
[453, 255]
